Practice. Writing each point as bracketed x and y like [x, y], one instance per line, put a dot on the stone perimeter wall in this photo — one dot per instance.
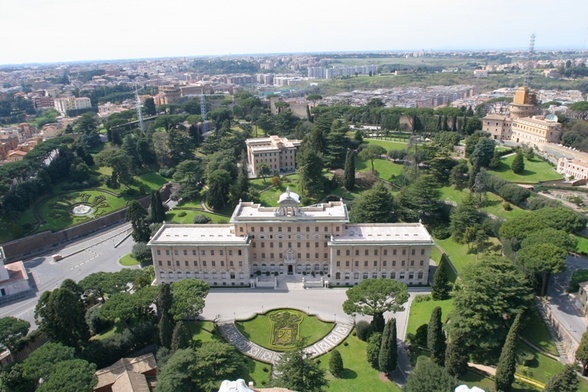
[42, 242]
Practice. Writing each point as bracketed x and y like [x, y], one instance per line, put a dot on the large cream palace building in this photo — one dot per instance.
[314, 240]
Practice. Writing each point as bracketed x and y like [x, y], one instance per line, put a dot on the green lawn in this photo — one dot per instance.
[494, 206]
[358, 374]
[386, 169]
[474, 378]
[582, 245]
[578, 276]
[541, 368]
[536, 332]
[535, 170]
[420, 313]
[128, 260]
[387, 144]
[458, 253]
[151, 179]
[259, 329]
[203, 331]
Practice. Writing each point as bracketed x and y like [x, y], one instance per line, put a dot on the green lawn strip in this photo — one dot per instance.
[118, 327]
[494, 206]
[358, 375]
[540, 368]
[202, 331]
[387, 144]
[259, 330]
[578, 276]
[536, 332]
[535, 170]
[474, 378]
[436, 254]
[186, 216]
[151, 179]
[128, 260]
[420, 313]
[458, 253]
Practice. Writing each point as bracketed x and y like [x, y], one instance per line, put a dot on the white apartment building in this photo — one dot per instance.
[62, 105]
[572, 168]
[535, 131]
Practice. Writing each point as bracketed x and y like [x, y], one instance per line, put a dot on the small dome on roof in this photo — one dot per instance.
[289, 195]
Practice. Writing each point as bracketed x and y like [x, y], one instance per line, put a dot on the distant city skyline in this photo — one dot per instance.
[39, 31]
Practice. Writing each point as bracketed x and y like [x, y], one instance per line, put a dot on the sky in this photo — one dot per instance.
[37, 31]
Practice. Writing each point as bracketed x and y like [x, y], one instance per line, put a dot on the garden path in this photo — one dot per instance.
[247, 347]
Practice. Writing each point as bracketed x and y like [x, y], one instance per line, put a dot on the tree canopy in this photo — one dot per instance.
[298, 372]
[188, 298]
[375, 206]
[376, 296]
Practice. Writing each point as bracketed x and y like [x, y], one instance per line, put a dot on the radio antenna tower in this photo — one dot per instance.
[528, 71]
[139, 113]
[203, 111]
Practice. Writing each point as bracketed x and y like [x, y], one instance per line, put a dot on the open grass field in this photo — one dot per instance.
[458, 253]
[386, 169]
[358, 375]
[185, 212]
[541, 368]
[259, 329]
[151, 179]
[203, 331]
[387, 144]
[535, 170]
[582, 245]
[420, 313]
[494, 206]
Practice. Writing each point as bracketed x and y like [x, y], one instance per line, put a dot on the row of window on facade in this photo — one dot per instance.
[298, 229]
[280, 267]
[202, 252]
[374, 275]
[203, 275]
[195, 263]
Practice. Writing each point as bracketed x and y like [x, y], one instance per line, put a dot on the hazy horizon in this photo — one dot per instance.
[63, 31]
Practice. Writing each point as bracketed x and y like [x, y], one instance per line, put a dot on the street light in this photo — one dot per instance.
[335, 318]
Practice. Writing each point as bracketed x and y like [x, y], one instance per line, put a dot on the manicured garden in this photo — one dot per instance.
[387, 144]
[128, 260]
[536, 170]
[282, 329]
[420, 312]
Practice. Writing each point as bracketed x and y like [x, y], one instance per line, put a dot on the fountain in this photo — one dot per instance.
[82, 210]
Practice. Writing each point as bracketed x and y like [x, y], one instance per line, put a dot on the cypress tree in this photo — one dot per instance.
[166, 329]
[180, 338]
[456, 355]
[436, 337]
[373, 349]
[440, 288]
[377, 324]
[166, 324]
[518, 163]
[336, 363]
[505, 371]
[156, 208]
[388, 358]
[349, 179]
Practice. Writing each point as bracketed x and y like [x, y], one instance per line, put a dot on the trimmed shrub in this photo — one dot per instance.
[363, 330]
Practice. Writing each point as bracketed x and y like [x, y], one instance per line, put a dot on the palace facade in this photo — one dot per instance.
[316, 240]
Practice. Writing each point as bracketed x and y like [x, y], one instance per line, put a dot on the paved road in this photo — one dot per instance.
[96, 253]
[559, 302]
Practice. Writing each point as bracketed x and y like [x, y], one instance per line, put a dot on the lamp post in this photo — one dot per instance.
[335, 318]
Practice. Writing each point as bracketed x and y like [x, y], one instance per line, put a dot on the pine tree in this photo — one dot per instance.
[565, 381]
[378, 323]
[336, 363]
[518, 163]
[180, 338]
[349, 180]
[436, 337]
[441, 287]
[456, 355]
[505, 371]
[388, 358]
